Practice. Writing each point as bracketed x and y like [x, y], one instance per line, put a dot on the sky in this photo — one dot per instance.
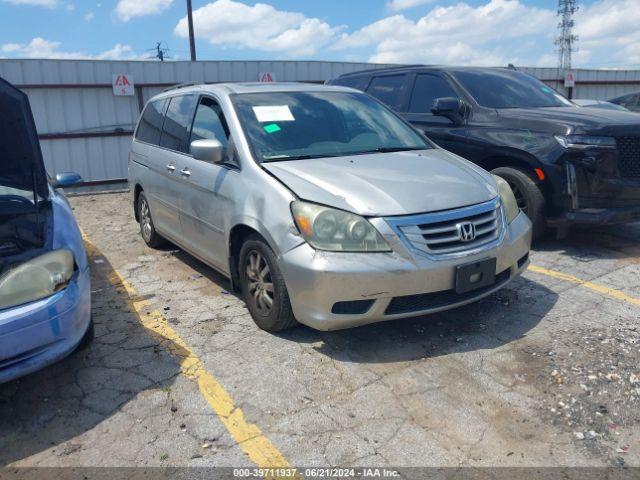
[462, 32]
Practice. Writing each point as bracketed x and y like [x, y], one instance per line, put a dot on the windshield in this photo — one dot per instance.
[13, 190]
[299, 125]
[509, 89]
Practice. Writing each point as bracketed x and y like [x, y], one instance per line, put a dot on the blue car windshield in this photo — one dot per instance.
[302, 125]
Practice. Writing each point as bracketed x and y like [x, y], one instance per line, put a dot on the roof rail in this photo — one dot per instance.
[181, 85]
[382, 69]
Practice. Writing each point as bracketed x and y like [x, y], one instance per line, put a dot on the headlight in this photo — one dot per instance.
[583, 142]
[38, 278]
[509, 202]
[326, 228]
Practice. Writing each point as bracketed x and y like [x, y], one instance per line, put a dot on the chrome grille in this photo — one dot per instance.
[439, 233]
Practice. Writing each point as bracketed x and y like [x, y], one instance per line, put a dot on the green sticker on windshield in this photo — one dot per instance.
[272, 128]
[545, 89]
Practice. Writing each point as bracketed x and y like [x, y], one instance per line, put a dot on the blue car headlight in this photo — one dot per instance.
[38, 278]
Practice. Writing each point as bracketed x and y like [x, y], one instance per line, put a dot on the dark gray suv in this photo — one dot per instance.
[565, 164]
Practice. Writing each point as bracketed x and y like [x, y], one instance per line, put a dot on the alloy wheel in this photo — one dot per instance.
[145, 219]
[259, 282]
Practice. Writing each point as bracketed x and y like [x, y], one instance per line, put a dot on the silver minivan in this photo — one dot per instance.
[320, 204]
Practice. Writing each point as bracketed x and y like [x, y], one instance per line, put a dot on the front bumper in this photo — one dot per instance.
[317, 280]
[40, 333]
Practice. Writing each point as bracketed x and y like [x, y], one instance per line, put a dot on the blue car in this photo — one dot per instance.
[45, 293]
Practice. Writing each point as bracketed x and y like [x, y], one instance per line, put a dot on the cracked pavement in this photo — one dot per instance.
[496, 383]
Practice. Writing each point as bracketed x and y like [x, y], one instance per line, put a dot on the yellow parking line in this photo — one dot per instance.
[611, 292]
[249, 437]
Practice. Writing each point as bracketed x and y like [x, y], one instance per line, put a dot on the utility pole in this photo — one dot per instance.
[566, 39]
[160, 52]
[192, 40]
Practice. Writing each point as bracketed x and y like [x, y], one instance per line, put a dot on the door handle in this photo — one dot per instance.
[171, 167]
[185, 171]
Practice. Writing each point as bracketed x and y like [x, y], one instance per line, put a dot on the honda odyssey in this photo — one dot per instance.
[320, 204]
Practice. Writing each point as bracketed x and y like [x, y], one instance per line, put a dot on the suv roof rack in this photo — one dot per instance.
[182, 85]
[383, 69]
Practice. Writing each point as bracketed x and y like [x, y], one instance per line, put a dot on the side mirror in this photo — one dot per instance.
[208, 150]
[66, 179]
[454, 109]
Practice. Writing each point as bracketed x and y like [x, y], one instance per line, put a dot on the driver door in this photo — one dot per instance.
[207, 205]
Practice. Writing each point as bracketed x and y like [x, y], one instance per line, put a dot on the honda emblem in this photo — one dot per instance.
[466, 231]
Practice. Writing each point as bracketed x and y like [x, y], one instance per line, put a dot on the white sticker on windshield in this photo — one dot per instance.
[273, 113]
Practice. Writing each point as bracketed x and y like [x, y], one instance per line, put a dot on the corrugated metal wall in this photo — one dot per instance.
[591, 84]
[85, 128]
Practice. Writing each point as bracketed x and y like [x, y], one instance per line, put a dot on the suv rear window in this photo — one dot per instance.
[150, 126]
[177, 123]
[388, 90]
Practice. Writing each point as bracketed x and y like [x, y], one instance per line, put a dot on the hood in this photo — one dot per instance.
[388, 184]
[20, 155]
[571, 119]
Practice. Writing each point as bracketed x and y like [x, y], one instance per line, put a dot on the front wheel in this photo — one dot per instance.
[528, 195]
[263, 287]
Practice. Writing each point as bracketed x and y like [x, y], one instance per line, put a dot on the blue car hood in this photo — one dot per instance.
[20, 154]
[26, 215]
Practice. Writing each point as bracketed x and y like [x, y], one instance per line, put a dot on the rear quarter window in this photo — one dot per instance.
[150, 127]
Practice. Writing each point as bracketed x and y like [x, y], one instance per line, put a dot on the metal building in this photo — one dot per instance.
[590, 83]
[85, 128]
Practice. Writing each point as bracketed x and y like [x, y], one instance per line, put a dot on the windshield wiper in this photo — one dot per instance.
[389, 150]
[298, 157]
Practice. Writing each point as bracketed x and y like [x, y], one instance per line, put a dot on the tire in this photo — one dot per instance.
[261, 283]
[529, 196]
[147, 228]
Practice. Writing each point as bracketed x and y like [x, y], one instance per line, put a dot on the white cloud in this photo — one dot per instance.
[490, 34]
[89, 16]
[397, 5]
[41, 48]
[128, 9]
[608, 33]
[11, 47]
[119, 52]
[259, 27]
[37, 3]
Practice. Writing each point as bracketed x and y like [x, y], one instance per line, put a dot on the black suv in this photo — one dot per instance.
[566, 164]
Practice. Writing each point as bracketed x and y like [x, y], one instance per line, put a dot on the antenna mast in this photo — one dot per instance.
[566, 39]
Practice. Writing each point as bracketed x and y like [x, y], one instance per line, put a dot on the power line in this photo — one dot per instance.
[566, 39]
[161, 51]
